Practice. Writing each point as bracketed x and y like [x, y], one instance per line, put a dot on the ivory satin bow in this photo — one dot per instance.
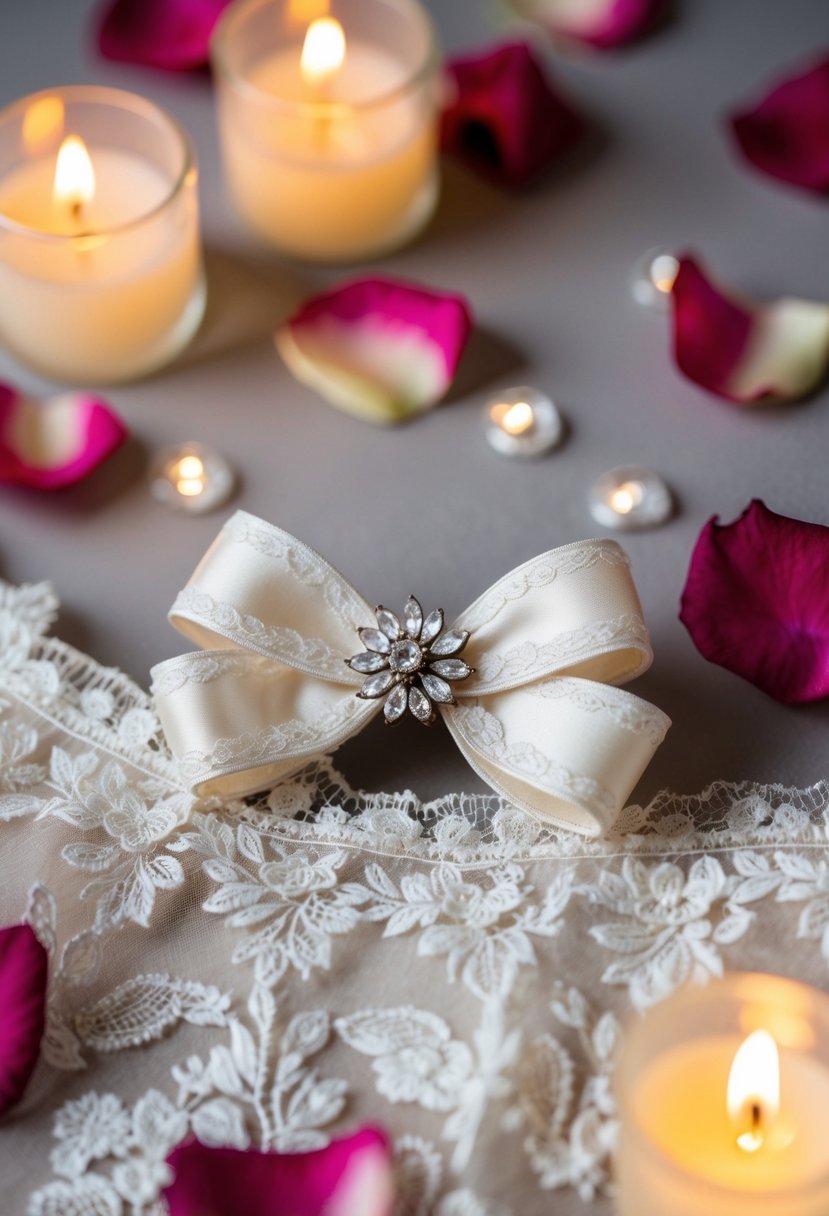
[540, 720]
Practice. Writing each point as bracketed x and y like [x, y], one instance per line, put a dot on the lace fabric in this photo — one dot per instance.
[274, 970]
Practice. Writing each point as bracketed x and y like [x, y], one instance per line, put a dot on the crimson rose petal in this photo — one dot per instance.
[351, 1177]
[756, 601]
[23, 976]
[746, 352]
[602, 24]
[504, 119]
[170, 34]
[786, 134]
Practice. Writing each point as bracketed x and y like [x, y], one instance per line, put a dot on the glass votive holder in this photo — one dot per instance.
[328, 117]
[630, 499]
[101, 276]
[522, 423]
[722, 1092]
[191, 478]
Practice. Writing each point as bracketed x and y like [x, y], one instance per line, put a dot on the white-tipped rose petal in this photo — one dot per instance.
[431, 626]
[379, 349]
[389, 624]
[396, 703]
[55, 443]
[746, 352]
[437, 689]
[374, 640]
[376, 686]
[452, 669]
[420, 705]
[450, 643]
[367, 663]
[413, 615]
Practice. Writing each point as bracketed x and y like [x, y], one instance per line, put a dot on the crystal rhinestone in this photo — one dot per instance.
[396, 703]
[522, 422]
[406, 657]
[388, 623]
[451, 669]
[413, 615]
[653, 279]
[628, 499]
[190, 478]
[431, 626]
[374, 640]
[437, 689]
[375, 686]
[420, 705]
[450, 643]
[367, 663]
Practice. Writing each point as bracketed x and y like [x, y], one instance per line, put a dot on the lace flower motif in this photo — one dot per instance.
[413, 664]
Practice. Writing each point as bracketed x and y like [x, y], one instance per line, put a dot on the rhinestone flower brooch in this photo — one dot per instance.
[413, 664]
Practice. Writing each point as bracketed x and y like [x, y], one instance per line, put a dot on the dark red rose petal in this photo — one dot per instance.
[23, 977]
[169, 34]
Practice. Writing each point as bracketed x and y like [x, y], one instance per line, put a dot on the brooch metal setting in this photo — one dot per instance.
[412, 663]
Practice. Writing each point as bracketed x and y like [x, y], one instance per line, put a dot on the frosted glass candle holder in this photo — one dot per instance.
[101, 276]
[330, 152]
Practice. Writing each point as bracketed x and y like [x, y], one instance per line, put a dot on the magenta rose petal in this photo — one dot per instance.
[503, 118]
[23, 977]
[353, 1176]
[48, 445]
[756, 601]
[786, 133]
[601, 24]
[379, 349]
[746, 352]
[169, 34]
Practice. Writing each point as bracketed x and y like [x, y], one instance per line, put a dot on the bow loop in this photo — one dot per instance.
[536, 713]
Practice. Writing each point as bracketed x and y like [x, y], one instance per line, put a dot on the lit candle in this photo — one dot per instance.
[722, 1094]
[629, 499]
[191, 478]
[100, 263]
[522, 422]
[654, 277]
[329, 126]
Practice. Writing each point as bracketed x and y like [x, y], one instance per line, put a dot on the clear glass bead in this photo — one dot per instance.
[522, 422]
[191, 478]
[653, 279]
[629, 498]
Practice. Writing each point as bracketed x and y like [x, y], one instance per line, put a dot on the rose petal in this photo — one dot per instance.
[603, 24]
[55, 443]
[23, 976]
[169, 34]
[504, 119]
[351, 1177]
[379, 349]
[786, 133]
[756, 602]
[747, 352]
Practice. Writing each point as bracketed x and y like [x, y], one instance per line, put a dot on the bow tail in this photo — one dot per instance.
[567, 750]
[239, 723]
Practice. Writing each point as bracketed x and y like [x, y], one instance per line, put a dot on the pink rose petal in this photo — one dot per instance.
[747, 352]
[55, 443]
[351, 1177]
[786, 134]
[504, 119]
[376, 348]
[756, 601]
[169, 34]
[23, 976]
[602, 24]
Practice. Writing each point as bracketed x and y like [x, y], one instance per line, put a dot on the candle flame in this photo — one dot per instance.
[74, 175]
[626, 497]
[753, 1094]
[43, 124]
[323, 52]
[303, 12]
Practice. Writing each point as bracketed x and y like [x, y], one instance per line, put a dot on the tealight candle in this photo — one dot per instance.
[329, 124]
[654, 277]
[722, 1094]
[522, 422]
[191, 478]
[628, 499]
[100, 262]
